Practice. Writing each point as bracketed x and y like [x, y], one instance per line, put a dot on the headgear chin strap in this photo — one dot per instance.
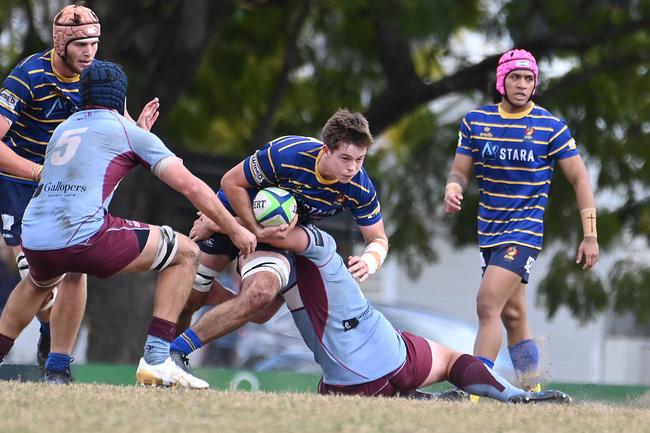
[103, 84]
[512, 60]
[72, 23]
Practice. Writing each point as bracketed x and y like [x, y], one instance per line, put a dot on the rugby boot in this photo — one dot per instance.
[180, 359]
[547, 396]
[55, 377]
[42, 351]
[167, 374]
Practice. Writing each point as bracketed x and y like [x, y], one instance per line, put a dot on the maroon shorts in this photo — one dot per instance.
[407, 377]
[117, 243]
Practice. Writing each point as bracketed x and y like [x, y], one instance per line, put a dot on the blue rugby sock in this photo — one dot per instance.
[58, 362]
[486, 361]
[186, 343]
[525, 360]
[156, 350]
[45, 328]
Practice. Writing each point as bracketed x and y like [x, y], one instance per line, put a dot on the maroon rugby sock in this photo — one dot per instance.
[162, 329]
[6, 344]
[468, 370]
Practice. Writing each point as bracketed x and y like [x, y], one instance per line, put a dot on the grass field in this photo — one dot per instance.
[35, 407]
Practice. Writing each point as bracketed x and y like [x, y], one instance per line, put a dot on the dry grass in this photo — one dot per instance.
[34, 407]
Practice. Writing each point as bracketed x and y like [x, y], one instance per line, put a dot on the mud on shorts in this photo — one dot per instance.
[14, 198]
[515, 258]
[117, 243]
[408, 377]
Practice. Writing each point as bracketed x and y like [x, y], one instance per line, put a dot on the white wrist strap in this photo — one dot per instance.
[374, 254]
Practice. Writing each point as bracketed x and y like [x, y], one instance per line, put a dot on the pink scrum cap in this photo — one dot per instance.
[72, 23]
[515, 59]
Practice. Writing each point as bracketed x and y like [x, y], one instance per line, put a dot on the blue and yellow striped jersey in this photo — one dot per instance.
[290, 163]
[514, 156]
[36, 99]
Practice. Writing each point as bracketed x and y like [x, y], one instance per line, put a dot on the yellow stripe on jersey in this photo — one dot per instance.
[33, 153]
[35, 71]
[465, 147]
[42, 143]
[300, 184]
[508, 232]
[45, 98]
[369, 203]
[360, 187]
[513, 140]
[543, 117]
[493, 194]
[374, 212]
[318, 199]
[13, 77]
[568, 143]
[43, 120]
[16, 177]
[279, 139]
[15, 96]
[466, 125]
[309, 140]
[512, 182]
[523, 244]
[268, 154]
[295, 167]
[535, 220]
[513, 209]
[496, 167]
[558, 133]
[308, 155]
[498, 125]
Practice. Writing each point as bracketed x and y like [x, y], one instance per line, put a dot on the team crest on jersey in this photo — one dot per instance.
[8, 100]
[528, 133]
[340, 198]
[61, 105]
[511, 254]
[489, 151]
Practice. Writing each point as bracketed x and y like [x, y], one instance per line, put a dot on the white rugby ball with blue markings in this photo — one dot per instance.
[274, 206]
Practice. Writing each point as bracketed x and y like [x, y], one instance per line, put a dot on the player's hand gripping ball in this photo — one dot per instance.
[274, 206]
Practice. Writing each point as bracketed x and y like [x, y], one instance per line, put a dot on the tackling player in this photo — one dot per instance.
[39, 94]
[514, 147]
[325, 178]
[68, 232]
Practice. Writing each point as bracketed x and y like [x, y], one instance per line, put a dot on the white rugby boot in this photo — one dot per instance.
[167, 374]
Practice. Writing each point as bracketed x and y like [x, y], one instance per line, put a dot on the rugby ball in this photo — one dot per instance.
[274, 206]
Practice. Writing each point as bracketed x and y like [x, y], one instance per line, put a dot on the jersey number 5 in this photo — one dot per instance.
[66, 146]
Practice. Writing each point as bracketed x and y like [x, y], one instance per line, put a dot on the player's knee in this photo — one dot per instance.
[486, 310]
[188, 252]
[260, 290]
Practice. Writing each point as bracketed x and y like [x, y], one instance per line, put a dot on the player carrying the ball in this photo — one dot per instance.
[326, 178]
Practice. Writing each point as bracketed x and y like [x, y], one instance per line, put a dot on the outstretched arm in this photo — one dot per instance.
[204, 199]
[576, 173]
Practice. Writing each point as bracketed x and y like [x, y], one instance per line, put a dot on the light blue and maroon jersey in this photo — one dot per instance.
[87, 157]
[351, 341]
[290, 163]
[36, 100]
[514, 156]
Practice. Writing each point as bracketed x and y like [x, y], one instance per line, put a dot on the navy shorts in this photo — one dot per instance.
[220, 244]
[516, 258]
[14, 198]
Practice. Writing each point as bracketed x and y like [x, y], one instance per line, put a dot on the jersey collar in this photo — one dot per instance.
[58, 75]
[506, 115]
[319, 176]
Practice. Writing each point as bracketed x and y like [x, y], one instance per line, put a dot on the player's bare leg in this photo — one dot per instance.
[523, 349]
[172, 289]
[497, 287]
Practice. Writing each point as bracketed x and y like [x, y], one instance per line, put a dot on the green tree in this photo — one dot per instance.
[232, 74]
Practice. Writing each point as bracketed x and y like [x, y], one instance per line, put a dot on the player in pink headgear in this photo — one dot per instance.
[513, 146]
